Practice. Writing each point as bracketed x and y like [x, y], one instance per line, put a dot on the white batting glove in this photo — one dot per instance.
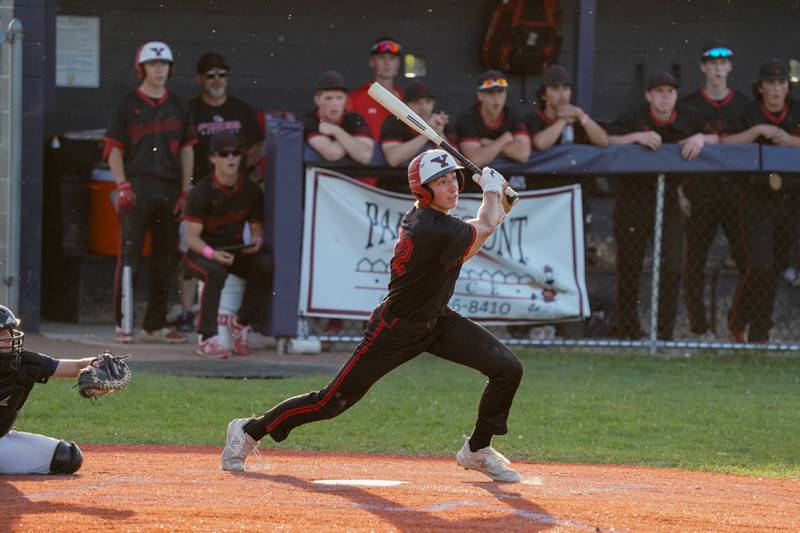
[491, 181]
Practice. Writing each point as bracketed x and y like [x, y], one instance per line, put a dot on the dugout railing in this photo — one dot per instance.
[608, 174]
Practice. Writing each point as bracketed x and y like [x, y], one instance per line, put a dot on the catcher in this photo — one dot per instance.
[28, 453]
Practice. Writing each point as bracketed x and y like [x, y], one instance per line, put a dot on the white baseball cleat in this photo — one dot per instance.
[487, 461]
[238, 446]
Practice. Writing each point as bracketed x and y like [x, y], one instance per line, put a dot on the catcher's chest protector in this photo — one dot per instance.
[14, 391]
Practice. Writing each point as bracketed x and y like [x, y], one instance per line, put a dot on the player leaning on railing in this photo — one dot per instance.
[414, 318]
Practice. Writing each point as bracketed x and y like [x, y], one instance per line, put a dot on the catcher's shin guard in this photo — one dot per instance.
[67, 458]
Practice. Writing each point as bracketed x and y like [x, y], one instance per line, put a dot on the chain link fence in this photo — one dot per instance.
[718, 254]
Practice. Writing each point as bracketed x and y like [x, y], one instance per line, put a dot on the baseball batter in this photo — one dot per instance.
[431, 248]
[20, 452]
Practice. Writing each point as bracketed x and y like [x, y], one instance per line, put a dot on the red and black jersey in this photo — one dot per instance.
[234, 116]
[718, 113]
[358, 101]
[223, 210]
[756, 113]
[151, 132]
[684, 122]
[352, 123]
[539, 120]
[393, 130]
[17, 385]
[471, 127]
[428, 256]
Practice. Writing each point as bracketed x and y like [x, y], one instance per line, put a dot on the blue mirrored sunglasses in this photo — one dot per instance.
[718, 52]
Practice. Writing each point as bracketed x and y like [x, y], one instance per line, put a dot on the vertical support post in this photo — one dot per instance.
[657, 232]
[283, 221]
[12, 276]
[584, 45]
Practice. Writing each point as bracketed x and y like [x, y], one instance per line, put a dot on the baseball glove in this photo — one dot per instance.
[107, 373]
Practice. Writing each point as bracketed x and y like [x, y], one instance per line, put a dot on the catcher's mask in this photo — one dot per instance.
[10, 340]
[428, 166]
[152, 51]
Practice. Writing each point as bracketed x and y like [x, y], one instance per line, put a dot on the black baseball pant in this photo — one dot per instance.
[155, 200]
[256, 269]
[715, 202]
[390, 341]
[634, 216]
[768, 218]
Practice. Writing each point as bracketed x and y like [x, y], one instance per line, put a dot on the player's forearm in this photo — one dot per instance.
[328, 148]
[710, 138]
[743, 137]
[69, 368]
[187, 167]
[490, 215]
[359, 149]
[481, 155]
[628, 138]
[597, 135]
[519, 150]
[546, 138]
[398, 153]
[117, 165]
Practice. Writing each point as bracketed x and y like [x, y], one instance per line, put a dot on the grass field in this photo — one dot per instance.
[738, 413]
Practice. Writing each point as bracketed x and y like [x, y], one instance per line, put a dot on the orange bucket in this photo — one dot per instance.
[103, 221]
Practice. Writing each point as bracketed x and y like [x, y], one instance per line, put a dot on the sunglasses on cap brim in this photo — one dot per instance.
[226, 152]
[488, 85]
[722, 52]
[211, 74]
[386, 47]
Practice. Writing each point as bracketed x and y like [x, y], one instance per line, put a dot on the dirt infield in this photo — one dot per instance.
[147, 488]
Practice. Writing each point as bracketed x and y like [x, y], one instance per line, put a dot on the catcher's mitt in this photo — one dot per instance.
[106, 373]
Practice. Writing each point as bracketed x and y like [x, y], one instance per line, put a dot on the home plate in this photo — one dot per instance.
[361, 482]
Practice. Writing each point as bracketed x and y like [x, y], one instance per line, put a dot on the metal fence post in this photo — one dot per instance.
[11, 276]
[657, 227]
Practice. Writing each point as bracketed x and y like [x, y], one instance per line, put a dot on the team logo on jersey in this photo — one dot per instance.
[4, 401]
[217, 118]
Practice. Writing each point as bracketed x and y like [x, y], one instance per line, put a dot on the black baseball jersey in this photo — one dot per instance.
[352, 123]
[151, 133]
[223, 210]
[234, 116]
[471, 127]
[428, 255]
[756, 113]
[684, 122]
[539, 120]
[15, 387]
[718, 113]
[393, 130]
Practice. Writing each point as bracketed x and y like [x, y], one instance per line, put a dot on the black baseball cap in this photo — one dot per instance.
[773, 69]
[210, 60]
[493, 80]
[555, 75]
[331, 81]
[385, 45]
[224, 140]
[416, 90]
[715, 50]
[662, 77]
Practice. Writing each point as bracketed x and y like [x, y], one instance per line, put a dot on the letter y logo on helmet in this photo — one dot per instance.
[152, 51]
[425, 168]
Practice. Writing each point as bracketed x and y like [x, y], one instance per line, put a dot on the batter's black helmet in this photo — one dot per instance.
[10, 343]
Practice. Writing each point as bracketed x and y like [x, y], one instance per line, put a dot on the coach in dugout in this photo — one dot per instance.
[660, 120]
[331, 130]
[491, 129]
[384, 60]
[399, 142]
[770, 212]
[218, 207]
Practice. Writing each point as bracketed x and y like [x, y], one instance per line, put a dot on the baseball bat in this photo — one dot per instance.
[399, 109]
